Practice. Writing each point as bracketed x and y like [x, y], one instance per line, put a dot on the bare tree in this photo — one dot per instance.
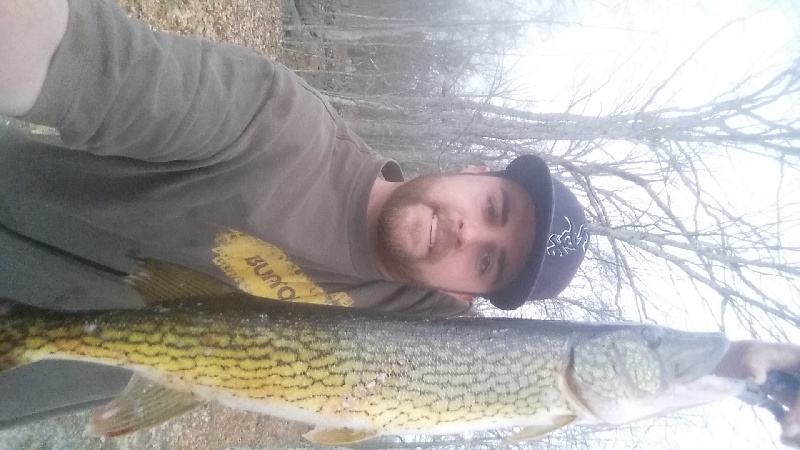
[647, 171]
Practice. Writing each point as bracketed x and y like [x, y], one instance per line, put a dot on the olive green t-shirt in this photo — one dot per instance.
[206, 155]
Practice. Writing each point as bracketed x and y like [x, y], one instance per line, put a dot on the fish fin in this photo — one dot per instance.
[338, 436]
[537, 431]
[143, 404]
[160, 282]
[12, 343]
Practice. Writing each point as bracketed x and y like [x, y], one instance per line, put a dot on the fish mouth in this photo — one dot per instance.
[688, 356]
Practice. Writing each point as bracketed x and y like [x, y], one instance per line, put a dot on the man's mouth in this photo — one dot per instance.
[434, 226]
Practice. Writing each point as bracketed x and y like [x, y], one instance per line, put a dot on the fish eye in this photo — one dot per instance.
[652, 336]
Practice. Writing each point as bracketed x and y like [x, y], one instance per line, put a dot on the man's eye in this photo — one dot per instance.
[491, 210]
[485, 261]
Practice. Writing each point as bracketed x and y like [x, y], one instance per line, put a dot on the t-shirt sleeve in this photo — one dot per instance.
[115, 87]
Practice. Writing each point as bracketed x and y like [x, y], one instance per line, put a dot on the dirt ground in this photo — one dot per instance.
[252, 23]
[257, 24]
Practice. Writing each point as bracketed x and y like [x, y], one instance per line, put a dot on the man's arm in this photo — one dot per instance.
[30, 32]
[753, 359]
[112, 86]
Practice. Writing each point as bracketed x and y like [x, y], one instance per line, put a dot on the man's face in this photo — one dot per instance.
[457, 232]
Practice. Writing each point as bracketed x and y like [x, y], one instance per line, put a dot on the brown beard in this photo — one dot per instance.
[398, 263]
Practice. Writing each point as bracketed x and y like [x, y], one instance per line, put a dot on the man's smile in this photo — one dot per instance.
[434, 226]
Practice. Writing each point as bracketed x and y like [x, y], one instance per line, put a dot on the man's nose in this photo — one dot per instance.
[469, 234]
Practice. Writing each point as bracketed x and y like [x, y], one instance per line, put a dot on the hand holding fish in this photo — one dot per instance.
[755, 361]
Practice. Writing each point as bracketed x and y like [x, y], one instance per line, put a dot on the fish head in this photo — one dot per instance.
[630, 372]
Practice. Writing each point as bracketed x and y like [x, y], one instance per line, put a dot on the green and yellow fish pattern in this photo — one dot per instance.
[359, 374]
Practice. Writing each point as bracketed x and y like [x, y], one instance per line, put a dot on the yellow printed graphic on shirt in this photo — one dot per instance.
[259, 268]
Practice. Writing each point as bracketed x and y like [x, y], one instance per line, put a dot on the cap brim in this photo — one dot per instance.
[532, 173]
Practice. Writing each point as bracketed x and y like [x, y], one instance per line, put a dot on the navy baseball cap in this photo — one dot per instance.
[559, 240]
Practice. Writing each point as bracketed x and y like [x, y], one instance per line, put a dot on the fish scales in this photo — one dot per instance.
[340, 368]
[409, 373]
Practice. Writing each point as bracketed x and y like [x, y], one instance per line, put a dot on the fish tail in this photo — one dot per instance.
[11, 336]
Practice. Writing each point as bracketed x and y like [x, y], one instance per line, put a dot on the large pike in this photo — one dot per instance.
[357, 374]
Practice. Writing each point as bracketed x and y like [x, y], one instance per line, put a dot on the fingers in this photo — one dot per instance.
[790, 425]
[762, 357]
[764, 363]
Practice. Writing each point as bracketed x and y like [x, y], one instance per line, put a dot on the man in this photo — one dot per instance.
[215, 158]
[218, 159]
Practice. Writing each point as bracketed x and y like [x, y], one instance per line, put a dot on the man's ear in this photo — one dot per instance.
[463, 297]
[475, 169]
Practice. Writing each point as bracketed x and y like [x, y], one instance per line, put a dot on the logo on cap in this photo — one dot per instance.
[568, 240]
